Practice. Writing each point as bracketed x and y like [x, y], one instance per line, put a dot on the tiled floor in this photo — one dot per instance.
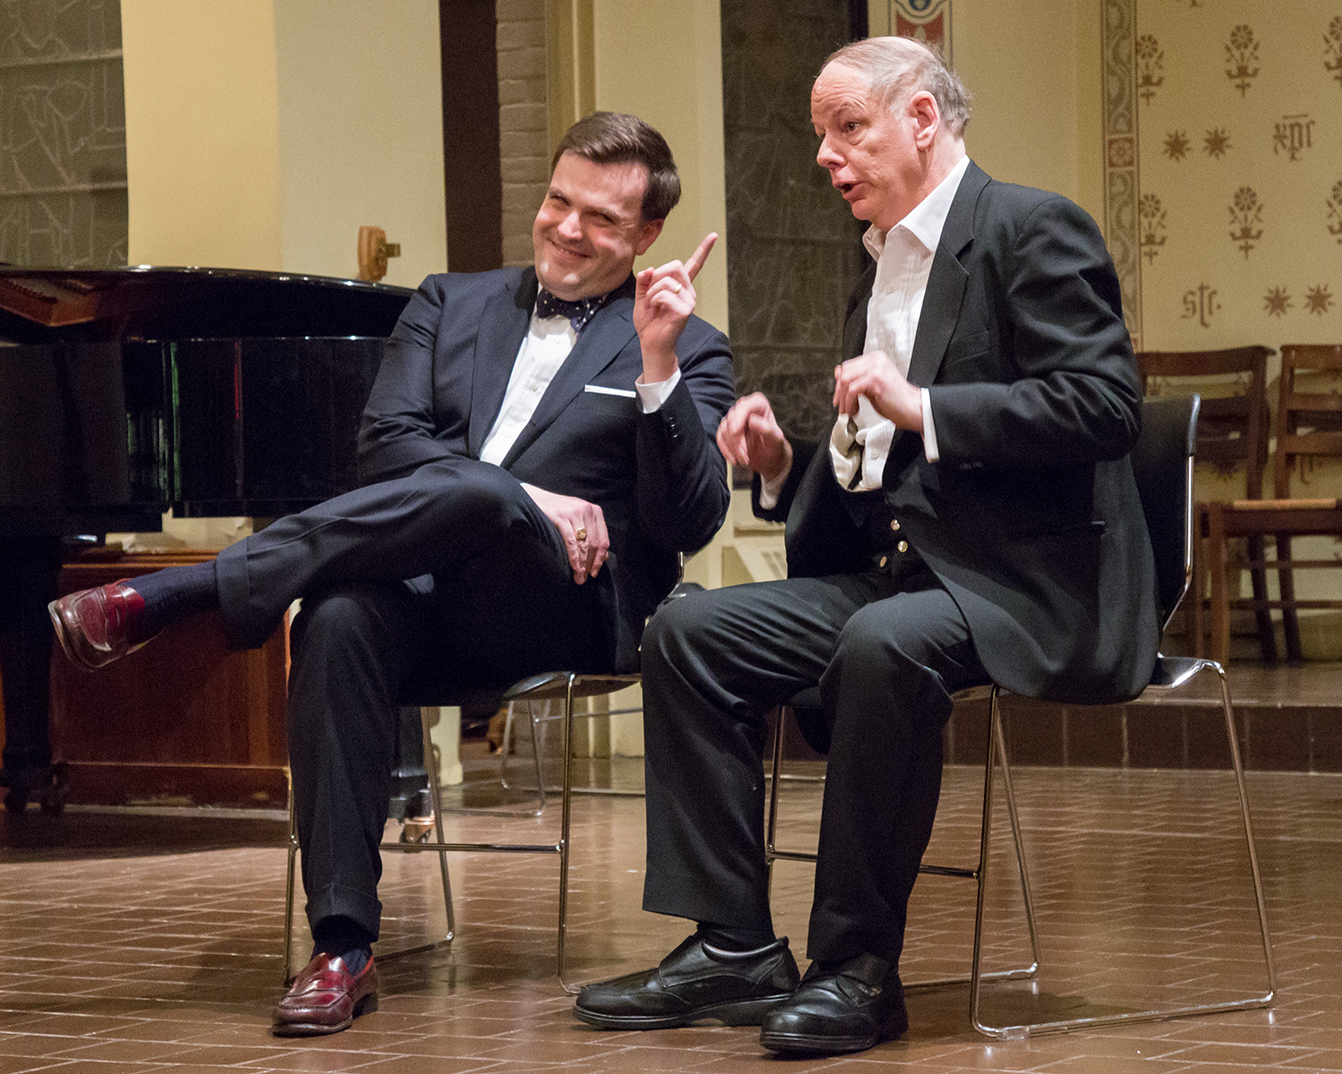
[139, 942]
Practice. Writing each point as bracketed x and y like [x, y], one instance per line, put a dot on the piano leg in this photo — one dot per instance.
[29, 568]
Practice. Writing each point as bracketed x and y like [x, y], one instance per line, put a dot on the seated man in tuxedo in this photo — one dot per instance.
[531, 461]
[971, 517]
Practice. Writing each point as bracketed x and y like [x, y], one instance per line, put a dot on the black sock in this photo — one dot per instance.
[731, 938]
[344, 938]
[173, 594]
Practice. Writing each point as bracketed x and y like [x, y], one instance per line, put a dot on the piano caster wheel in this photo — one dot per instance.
[46, 786]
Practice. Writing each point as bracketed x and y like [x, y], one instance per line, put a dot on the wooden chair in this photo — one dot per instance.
[1232, 435]
[1309, 426]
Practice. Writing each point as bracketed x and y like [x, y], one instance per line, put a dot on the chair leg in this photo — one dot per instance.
[1193, 614]
[289, 881]
[1024, 1030]
[537, 752]
[771, 818]
[436, 791]
[1286, 581]
[1267, 638]
[1220, 597]
[1251, 846]
[565, 812]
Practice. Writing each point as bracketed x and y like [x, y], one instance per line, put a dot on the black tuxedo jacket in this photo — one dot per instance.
[1031, 517]
[659, 479]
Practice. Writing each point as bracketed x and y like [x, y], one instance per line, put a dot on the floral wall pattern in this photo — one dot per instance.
[1223, 153]
[62, 134]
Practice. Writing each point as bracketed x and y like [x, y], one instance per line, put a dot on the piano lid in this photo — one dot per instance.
[148, 302]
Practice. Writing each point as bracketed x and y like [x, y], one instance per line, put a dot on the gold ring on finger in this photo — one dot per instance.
[581, 533]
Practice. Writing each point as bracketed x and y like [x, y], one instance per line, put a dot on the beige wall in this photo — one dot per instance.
[664, 62]
[261, 134]
[202, 133]
[1033, 68]
[361, 134]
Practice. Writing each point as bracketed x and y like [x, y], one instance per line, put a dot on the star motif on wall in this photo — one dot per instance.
[1318, 299]
[1177, 145]
[1216, 143]
[1277, 302]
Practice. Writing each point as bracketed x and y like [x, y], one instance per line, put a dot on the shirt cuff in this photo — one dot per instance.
[652, 396]
[771, 490]
[930, 450]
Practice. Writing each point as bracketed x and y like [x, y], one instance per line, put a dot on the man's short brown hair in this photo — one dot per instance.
[617, 138]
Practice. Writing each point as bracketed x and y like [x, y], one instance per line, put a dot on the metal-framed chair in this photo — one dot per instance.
[567, 686]
[1163, 464]
[1233, 434]
[810, 699]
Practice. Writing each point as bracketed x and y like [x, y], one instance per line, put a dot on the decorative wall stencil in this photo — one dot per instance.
[1319, 299]
[62, 134]
[1150, 65]
[1153, 226]
[1252, 218]
[1119, 86]
[1246, 212]
[1242, 58]
[1201, 305]
[926, 20]
[1292, 135]
[1277, 301]
[1334, 204]
[1177, 145]
[1332, 49]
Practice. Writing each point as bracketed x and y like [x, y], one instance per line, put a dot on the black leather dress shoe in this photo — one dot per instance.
[326, 998]
[845, 1008]
[695, 981]
[94, 626]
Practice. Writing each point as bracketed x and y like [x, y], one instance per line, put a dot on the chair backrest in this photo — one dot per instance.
[1232, 430]
[1162, 462]
[1309, 422]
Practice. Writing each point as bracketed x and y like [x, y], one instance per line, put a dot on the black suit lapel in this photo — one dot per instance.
[604, 336]
[946, 284]
[503, 325]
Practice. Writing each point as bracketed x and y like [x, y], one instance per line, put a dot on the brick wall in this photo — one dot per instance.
[524, 147]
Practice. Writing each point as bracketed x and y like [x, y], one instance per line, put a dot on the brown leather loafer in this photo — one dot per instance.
[326, 998]
[94, 625]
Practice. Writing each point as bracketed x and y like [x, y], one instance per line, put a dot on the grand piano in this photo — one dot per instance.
[126, 392]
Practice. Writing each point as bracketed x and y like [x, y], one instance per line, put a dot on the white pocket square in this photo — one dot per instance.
[601, 389]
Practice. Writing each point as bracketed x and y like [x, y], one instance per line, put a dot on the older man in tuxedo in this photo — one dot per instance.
[971, 517]
[537, 447]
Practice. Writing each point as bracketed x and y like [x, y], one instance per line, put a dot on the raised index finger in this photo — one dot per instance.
[697, 259]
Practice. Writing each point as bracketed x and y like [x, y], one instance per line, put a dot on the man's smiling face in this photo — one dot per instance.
[590, 227]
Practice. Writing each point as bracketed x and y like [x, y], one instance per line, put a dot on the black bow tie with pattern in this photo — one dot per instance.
[578, 313]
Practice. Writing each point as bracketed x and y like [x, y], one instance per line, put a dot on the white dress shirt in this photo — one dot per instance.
[904, 258]
[548, 342]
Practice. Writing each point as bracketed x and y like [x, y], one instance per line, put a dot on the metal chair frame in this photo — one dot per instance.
[547, 686]
[1167, 416]
[1233, 432]
[773, 853]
